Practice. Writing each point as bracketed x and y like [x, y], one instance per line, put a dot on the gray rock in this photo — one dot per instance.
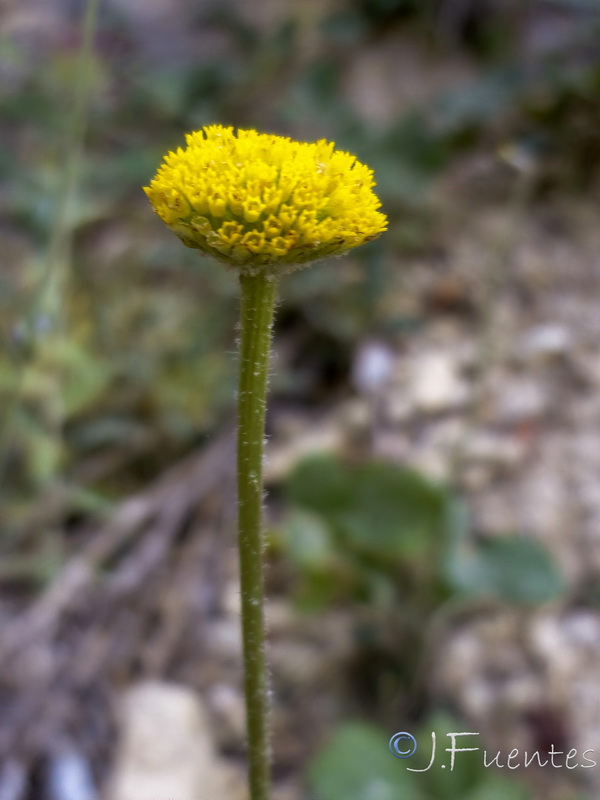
[166, 748]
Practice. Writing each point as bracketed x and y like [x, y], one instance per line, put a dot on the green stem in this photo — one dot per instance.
[257, 304]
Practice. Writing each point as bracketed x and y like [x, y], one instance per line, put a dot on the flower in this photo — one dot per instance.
[262, 202]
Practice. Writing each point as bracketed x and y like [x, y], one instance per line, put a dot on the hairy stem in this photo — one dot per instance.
[257, 304]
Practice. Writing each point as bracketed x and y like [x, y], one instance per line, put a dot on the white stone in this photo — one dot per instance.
[582, 628]
[546, 341]
[372, 367]
[545, 636]
[228, 703]
[166, 748]
[519, 400]
[434, 384]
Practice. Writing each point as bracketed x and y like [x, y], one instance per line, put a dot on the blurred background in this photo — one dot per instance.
[433, 466]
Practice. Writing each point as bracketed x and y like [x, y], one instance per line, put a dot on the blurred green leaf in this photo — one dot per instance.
[307, 540]
[375, 508]
[356, 765]
[516, 569]
[363, 521]
[394, 511]
[320, 483]
[468, 777]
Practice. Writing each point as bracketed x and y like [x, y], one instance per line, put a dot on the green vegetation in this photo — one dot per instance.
[381, 533]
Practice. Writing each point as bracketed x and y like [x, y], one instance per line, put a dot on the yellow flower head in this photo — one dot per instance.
[257, 201]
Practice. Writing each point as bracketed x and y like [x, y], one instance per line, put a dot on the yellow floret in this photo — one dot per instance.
[258, 201]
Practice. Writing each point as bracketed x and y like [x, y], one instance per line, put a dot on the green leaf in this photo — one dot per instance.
[307, 540]
[394, 512]
[378, 509]
[516, 569]
[356, 764]
[469, 779]
[321, 484]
